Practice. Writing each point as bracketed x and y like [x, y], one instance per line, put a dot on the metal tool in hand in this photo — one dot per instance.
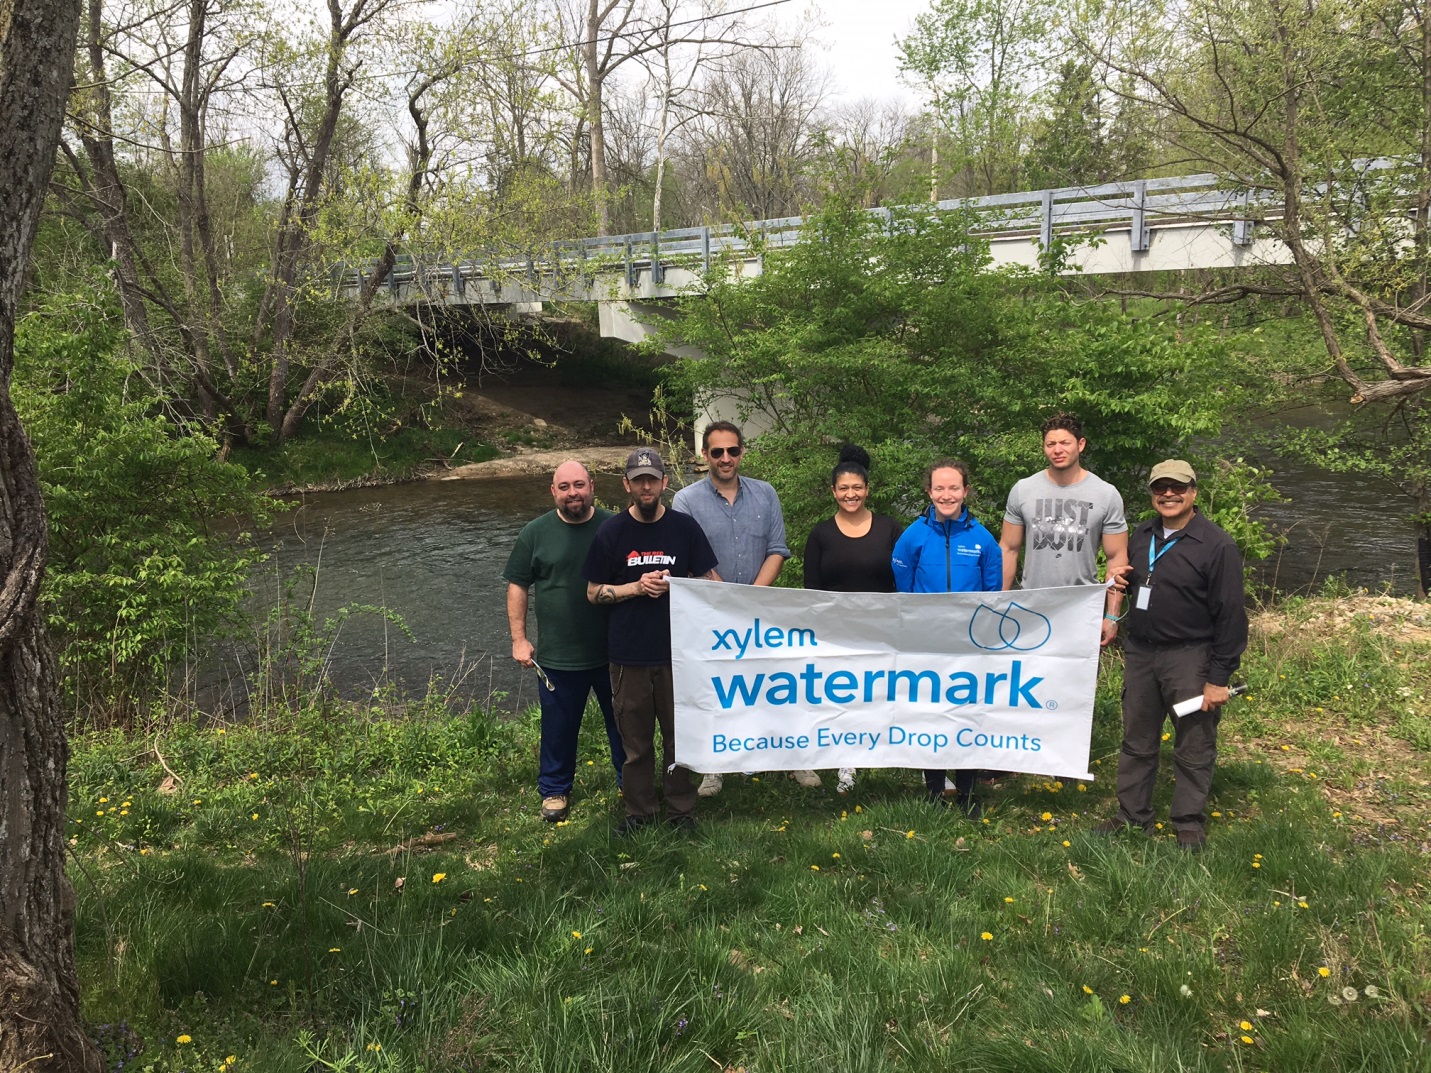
[543, 676]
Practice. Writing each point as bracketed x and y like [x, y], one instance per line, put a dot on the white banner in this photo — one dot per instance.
[783, 679]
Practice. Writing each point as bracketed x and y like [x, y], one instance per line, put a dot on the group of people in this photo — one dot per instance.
[603, 606]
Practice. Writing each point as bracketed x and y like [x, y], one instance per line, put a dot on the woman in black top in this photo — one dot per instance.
[851, 551]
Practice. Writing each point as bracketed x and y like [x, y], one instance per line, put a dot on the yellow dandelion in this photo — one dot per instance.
[1257, 856]
[273, 983]
[1087, 990]
[1082, 788]
[269, 905]
[834, 856]
[908, 834]
[184, 1038]
[1046, 817]
[986, 935]
[858, 809]
[814, 868]
[1324, 972]
[1123, 1000]
[253, 816]
[104, 800]
[352, 891]
[576, 935]
[1166, 736]
[124, 812]
[587, 950]
[1301, 905]
[125, 804]
[438, 877]
[1256, 864]
[1246, 1026]
[221, 730]
[1008, 901]
[99, 812]
[1066, 843]
[335, 950]
[1217, 815]
[1247, 1040]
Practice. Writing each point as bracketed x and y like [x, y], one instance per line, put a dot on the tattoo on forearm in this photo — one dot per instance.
[605, 594]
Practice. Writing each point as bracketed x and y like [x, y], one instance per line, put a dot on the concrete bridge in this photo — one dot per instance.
[1149, 225]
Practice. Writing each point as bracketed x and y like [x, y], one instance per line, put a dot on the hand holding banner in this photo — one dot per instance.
[784, 679]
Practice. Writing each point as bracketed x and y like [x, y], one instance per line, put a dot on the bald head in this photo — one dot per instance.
[572, 491]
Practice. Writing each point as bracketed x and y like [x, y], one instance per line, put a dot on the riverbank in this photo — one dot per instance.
[370, 887]
[489, 425]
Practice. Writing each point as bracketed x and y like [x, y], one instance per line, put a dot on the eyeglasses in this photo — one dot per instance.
[721, 452]
[1164, 487]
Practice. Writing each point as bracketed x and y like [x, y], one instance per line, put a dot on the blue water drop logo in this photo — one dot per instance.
[1015, 627]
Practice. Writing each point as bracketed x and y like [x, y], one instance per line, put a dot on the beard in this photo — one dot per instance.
[648, 513]
[574, 512]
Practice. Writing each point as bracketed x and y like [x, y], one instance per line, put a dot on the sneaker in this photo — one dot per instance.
[846, 781]
[710, 786]
[555, 808]
[971, 806]
[683, 822]
[807, 779]
[631, 824]
[1116, 826]
[1192, 841]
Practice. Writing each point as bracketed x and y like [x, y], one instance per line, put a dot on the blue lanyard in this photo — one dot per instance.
[1153, 559]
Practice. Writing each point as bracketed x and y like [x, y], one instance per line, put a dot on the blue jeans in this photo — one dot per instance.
[562, 709]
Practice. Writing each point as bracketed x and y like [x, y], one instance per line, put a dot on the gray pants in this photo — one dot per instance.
[642, 699]
[1154, 679]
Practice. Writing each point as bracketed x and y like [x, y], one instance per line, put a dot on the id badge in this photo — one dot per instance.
[1145, 594]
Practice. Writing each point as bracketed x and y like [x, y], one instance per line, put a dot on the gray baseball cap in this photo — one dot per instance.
[645, 462]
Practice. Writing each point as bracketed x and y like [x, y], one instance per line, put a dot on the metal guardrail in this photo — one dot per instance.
[1040, 214]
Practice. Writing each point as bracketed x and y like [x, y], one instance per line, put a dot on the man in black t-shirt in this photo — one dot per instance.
[627, 567]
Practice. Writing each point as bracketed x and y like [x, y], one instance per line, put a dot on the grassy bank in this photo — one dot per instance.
[330, 457]
[341, 889]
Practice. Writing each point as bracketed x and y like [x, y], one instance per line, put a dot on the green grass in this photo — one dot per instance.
[797, 930]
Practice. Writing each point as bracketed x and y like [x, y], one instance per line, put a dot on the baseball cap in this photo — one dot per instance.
[1173, 469]
[644, 462]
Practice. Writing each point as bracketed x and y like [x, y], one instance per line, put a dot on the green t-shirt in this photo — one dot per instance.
[571, 631]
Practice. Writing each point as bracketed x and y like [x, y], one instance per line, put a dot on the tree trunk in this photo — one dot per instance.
[595, 79]
[40, 1026]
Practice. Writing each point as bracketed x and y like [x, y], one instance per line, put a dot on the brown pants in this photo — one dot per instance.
[642, 699]
[1154, 679]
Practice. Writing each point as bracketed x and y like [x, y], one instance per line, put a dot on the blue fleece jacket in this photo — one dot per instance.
[959, 555]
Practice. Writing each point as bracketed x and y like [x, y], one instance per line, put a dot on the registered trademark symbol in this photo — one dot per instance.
[1050, 704]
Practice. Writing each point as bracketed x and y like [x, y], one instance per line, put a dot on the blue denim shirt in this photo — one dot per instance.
[744, 533]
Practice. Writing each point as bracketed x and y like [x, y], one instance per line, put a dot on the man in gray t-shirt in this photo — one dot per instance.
[1060, 517]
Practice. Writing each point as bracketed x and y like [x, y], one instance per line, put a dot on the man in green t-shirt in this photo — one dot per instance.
[572, 657]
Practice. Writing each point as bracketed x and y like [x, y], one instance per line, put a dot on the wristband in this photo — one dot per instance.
[1111, 618]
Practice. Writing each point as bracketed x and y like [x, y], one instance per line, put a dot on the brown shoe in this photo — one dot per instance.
[554, 808]
[1191, 841]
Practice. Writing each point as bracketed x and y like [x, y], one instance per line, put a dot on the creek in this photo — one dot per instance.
[433, 553]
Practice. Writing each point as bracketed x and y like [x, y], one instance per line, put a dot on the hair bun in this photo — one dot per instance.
[853, 452]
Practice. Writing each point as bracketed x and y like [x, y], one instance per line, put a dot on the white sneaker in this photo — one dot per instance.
[807, 779]
[710, 786]
[846, 782]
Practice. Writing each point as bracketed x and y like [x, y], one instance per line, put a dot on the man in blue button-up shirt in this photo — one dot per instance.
[742, 519]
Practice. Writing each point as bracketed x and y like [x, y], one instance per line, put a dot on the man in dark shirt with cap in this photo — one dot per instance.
[1186, 631]
[626, 569]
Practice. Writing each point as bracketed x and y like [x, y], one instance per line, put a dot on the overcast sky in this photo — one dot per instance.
[860, 37]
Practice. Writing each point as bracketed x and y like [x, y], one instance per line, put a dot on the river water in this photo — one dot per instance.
[433, 553]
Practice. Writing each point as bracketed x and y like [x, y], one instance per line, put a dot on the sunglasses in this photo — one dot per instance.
[1163, 487]
[721, 452]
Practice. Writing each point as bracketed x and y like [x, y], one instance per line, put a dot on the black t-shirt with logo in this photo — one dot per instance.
[639, 630]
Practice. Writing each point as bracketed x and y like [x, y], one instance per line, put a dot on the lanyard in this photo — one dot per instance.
[1153, 559]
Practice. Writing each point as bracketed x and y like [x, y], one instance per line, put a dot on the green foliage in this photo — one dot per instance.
[145, 561]
[899, 337]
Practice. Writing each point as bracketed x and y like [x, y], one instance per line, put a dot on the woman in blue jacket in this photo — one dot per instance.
[946, 549]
